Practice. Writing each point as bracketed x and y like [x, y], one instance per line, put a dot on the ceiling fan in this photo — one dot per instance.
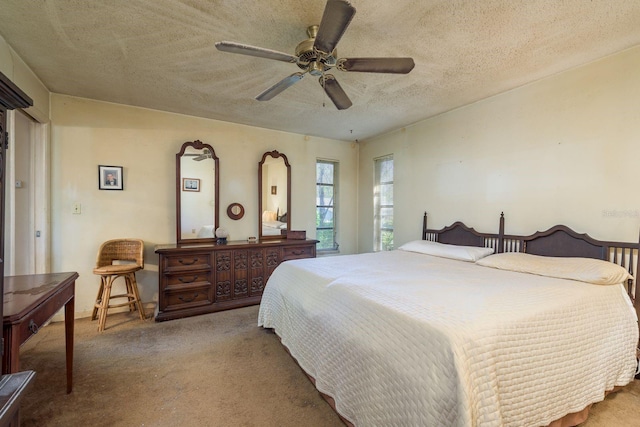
[316, 55]
[197, 156]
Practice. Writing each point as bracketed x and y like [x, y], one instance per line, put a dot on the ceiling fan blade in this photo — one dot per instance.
[335, 20]
[280, 86]
[260, 52]
[335, 92]
[377, 65]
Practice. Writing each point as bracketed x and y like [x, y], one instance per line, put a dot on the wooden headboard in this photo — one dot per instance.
[562, 241]
[459, 234]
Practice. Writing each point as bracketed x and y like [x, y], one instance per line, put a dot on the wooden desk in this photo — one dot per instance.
[29, 301]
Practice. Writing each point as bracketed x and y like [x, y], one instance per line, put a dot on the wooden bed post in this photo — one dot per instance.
[424, 226]
[501, 234]
[636, 292]
[636, 300]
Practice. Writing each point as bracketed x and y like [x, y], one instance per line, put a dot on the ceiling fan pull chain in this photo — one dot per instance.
[324, 96]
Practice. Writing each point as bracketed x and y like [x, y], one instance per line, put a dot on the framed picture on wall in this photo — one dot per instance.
[109, 177]
[190, 184]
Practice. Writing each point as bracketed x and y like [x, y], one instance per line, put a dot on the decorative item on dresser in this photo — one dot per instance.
[203, 278]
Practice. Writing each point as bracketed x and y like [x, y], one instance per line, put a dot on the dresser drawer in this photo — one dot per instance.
[188, 278]
[190, 261]
[298, 252]
[188, 297]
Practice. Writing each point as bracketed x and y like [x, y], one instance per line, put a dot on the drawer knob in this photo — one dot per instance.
[183, 299]
[297, 252]
[33, 327]
[183, 262]
[188, 281]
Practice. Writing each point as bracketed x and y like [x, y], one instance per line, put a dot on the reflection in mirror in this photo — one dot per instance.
[274, 202]
[197, 174]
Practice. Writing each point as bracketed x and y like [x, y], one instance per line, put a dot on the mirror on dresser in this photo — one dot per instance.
[197, 191]
[274, 195]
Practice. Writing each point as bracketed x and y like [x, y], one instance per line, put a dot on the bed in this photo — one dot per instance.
[273, 224]
[426, 335]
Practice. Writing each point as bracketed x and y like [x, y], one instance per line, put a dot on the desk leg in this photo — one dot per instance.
[11, 356]
[69, 309]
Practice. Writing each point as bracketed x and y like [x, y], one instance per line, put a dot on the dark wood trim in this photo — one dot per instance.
[11, 97]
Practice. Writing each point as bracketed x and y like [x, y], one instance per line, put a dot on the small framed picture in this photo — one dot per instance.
[109, 177]
[190, 184]
[274, 189]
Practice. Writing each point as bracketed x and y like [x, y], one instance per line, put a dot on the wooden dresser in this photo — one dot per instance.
[203, 278]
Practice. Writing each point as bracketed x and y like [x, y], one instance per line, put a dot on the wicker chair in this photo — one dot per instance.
[121, 250]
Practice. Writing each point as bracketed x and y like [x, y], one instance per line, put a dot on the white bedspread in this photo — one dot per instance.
[400, 338]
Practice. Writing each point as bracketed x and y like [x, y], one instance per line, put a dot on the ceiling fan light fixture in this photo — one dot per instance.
[316, 68]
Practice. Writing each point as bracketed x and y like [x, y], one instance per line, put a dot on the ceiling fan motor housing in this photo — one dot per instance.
[313, 61]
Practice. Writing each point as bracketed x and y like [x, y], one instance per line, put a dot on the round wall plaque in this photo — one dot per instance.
[235, 211]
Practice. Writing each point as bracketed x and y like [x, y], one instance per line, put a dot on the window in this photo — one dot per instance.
[383, 204]
[326, 179]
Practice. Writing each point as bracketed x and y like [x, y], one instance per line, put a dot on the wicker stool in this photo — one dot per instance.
[122, 250]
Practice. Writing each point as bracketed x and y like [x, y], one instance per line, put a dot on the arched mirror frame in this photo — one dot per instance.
[275, 154]
[198, 145]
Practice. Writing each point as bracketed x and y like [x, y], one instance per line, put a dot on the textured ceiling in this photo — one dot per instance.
[160, 54]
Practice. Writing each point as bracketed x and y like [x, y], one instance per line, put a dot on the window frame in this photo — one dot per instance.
[333, 205]
[378, 244]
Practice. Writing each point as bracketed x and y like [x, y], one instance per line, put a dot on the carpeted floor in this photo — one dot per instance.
[218, 369]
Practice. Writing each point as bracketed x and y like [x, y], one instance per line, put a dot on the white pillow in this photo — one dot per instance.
[269, 216]
[274, 224]
[463, 253]
[590, 270]
[206, 231]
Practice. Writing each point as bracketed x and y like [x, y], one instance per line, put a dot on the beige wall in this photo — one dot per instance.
[12, 66]
[88, 133]
[561, 150]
